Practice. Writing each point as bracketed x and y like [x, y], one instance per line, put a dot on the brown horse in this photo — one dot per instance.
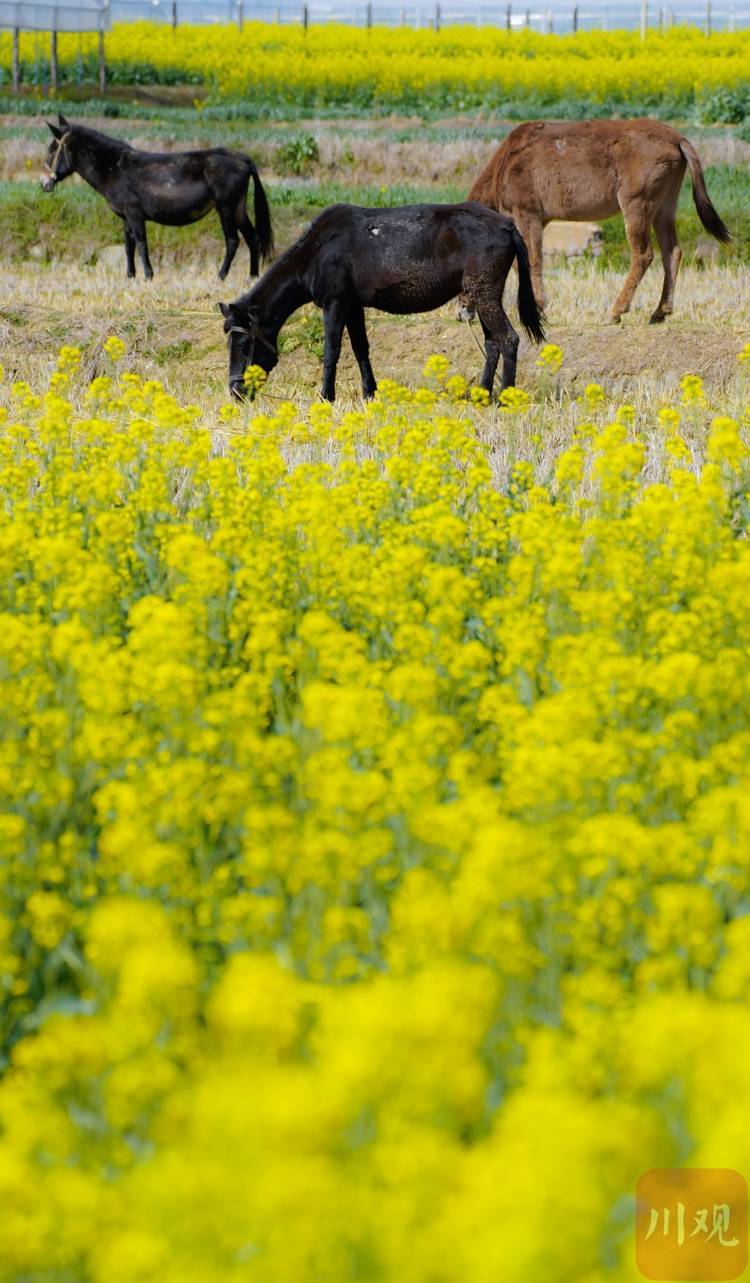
[592, 169]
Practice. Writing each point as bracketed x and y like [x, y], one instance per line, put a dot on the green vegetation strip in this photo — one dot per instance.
[75, 223]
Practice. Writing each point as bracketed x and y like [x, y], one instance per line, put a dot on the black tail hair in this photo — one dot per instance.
[706, 212]
[262, 218]
[528, 308]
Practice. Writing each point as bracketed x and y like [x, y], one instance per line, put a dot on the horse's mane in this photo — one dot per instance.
[82, 133]
[285, 264]
[280, 267]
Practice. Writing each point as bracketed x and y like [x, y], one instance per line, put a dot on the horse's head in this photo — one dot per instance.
[59, 161]
[251, 342]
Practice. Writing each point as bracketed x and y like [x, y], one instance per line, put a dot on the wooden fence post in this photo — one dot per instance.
[16, 61]
[528, 19]
[368, 15]
[240, 14]
[644, 18]
[173, 14]
[575, 18]
[708, 17]
[508, 15]
[54, 70]
[305, 17]
[437, 17]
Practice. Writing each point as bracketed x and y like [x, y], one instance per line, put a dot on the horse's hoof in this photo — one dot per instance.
[657, 318]
[614, 320]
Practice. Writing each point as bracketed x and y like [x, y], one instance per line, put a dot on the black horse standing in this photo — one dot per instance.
[411, 259]
[175, 189]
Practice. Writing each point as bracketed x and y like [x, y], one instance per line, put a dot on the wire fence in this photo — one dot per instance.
[562, 16]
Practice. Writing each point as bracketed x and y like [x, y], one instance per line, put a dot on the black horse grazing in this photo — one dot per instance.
[411, 259]
[173, 189]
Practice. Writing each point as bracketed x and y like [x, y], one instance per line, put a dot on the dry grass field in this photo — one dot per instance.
[173, 333]
[173, 330]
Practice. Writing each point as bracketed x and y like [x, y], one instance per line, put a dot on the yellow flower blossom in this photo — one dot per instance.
[114, 347]
[550, 358]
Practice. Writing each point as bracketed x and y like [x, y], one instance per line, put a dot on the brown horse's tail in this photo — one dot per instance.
[262, 217]
[706, 212]
[528, 308]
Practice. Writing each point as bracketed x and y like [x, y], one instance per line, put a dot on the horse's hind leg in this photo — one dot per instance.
[137, 224]
[232, 240]
[499, 339]
[334, 317]
[251, 239]
[638, 230]
[130, 251]
[666, 234]
[355, 324]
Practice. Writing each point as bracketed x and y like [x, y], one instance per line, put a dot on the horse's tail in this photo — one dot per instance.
[262, 217]
[528, 308]
[706, 212]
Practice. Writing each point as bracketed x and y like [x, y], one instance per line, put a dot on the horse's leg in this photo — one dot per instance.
[499, 338]
[137, 225]
[334, 318]
[638, 230]
[532, 229]
[232, 240]
[130, 250]
[251, 239]
[666, 234]
[491, 358]
[355, 324]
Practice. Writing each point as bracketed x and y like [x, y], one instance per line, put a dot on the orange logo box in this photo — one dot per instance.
[691, 1223]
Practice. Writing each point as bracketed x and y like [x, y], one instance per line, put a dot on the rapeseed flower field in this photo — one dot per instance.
[373, 836]
[276, 67]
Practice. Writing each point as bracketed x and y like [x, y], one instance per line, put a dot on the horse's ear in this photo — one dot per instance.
[53, 129]
[226, 310]
[65, 124]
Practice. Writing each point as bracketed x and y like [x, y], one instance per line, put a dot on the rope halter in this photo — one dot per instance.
[51, 169]
[254, 334]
